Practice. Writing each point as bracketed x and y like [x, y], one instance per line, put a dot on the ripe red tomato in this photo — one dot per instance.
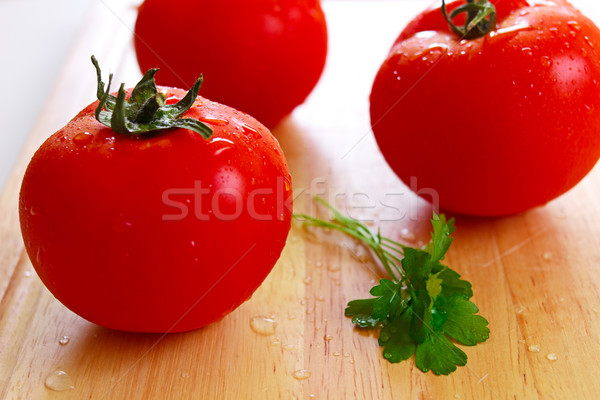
[498, 124]
[262, 57]
[165, 233]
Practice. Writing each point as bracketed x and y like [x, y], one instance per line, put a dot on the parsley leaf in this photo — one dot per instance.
[439, 355]
[361, 312]
[396, 341]
[423, 305]
[461, 322]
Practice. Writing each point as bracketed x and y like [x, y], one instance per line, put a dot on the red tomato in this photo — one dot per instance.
[161, 234]
[262, 57]
[498, 124]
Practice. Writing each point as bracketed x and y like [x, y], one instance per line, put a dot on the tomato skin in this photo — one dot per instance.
[499, 124]
[262, 57]
[101, 217]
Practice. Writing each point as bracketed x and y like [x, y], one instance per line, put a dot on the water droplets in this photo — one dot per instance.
[263, 325]
[59, 381]
[83, 138]
[64, 340]
[121, 224]
[250, 132]
[287, 184]
[589, 41]
[546, 61]
[288, 347]
[534, 348]
[406, 234]
[301, 374]
[213, 121]
[333, 267]
[574, 28]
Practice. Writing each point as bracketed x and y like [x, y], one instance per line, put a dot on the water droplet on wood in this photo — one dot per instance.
[59, 381]
[302, 374]
[263, 325]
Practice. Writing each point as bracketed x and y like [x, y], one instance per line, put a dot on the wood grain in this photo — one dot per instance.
[534, 274]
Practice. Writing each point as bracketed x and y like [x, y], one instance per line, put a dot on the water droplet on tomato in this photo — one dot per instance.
[120, 224]
[251, 132]
[574, 28]
[287, 184]
[213, 121]
[263, 325]
[83, 138]
[59, 381]
[39, 256]
[171, 100]
[406, 234]
[589, 41]
[546, 61]
[301, 374]
[64, 340]
[527, 51]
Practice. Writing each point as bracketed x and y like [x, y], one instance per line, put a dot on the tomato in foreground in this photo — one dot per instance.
[161, 230]
[262, 57]
[499, 123]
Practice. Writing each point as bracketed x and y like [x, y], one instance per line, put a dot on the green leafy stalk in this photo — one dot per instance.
[480, 18]
[423, 306]
[146, 110]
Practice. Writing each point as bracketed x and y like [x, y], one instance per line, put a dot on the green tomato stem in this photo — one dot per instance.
[480, 18]
[146, 110]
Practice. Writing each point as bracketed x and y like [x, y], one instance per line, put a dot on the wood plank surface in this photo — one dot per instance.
[535, 275]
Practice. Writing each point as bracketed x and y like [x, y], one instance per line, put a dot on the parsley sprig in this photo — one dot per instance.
[424, 308]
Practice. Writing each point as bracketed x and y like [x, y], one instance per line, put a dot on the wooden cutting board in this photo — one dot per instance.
[535, 275]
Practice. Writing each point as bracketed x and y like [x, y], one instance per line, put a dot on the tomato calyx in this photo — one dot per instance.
[480, 18]
[146, 111]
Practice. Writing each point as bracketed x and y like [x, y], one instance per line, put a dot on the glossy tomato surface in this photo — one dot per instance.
[162, 234]
[262, 57]
[498, 124]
